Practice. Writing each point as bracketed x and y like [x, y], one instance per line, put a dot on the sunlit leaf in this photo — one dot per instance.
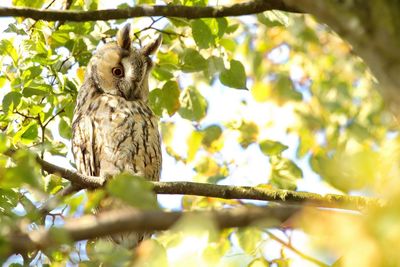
[134, 190]
[64, 129]
[211, 134]
[249, 239]
[261, 92]
[269, 147]
[202, 34]
[284, 173]
[259, 262]
[25, 172]
[11, 101]
[235, 76]
[166, 99]
[284, 91]
[248, 133]
[28, 3]
[7, 48]
[193, 105]
[29, 132]
[192, 61]
[193, 143]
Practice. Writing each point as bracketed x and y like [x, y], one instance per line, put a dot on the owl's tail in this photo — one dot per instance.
[128, 240]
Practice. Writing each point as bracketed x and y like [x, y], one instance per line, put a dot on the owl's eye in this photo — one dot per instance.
[118, 72]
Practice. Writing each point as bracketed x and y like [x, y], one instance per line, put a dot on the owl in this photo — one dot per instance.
[113, 128]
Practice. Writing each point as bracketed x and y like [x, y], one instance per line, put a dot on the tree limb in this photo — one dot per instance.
[189, 12]
[260, 193]
[223, 191]
[117, 221]
[74, 177]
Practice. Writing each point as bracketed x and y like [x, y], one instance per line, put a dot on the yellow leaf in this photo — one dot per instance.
[80, 73]
[193, 144]
[261, 92]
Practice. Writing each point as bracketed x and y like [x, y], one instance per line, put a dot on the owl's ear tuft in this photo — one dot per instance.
[123, 38]
[152, 47]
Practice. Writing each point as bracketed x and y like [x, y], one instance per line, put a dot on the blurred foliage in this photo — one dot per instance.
[299, 82]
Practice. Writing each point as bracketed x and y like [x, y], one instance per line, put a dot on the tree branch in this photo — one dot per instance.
[117, 221]
[72, 176]
[259, 193]
[189, 12]
[224, 191]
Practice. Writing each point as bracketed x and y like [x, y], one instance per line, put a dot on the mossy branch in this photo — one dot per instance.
[224, 191]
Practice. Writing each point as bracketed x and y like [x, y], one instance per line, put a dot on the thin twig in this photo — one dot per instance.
[53, 117]
[295, 250]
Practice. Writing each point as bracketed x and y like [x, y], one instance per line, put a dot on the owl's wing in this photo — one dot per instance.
[83, 145]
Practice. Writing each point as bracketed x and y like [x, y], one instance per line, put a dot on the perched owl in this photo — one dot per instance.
[114, 130]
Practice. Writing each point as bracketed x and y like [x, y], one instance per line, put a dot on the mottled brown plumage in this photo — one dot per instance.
[114, 130]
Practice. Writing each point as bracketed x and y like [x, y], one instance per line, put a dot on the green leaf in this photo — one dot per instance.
[249, 238]
[30, 132]
[36, 89]
[3, 142]
[166, 98]
[232, 28]
[52, 183]
[285, 90]
[211, 133]
[215, 65]
[8, 200]
[273, 18]
[222, 26]
[31, 73]
[11, 101]
[228, 44]
[284, 173]
[134, 190]
[3, 80]
[235, 76]
[140, 2]
[106, 253]
[59, 38]
[269, 147]
[28, 3]
[258, 262]
[74, 202]
[217, 26]
[24, 172]
[162, 74]
[202, 34]
[193, 105]
[7, 48]
[248, 133]
[268, 21]
[15, 28]
[64, 129]
[192, 61]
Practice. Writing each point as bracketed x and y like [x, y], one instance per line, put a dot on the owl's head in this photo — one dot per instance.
[119, 69]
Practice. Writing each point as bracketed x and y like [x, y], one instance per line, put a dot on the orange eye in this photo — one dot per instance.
[118, 72]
